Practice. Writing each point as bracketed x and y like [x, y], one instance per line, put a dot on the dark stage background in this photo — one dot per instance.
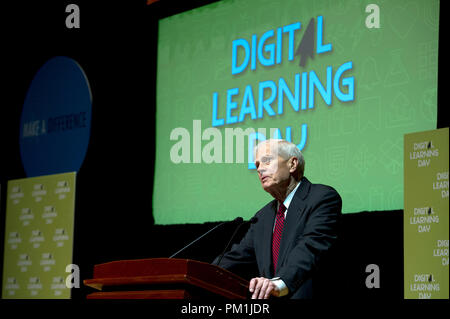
[116, 46]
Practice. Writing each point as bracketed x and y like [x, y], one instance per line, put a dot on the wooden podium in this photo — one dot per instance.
[164, 278]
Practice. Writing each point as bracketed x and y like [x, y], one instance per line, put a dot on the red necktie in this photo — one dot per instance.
[277, 232]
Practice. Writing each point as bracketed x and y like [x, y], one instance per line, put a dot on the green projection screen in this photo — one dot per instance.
[344, 80]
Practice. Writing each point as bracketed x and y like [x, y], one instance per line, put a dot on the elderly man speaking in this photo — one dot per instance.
[292, 232]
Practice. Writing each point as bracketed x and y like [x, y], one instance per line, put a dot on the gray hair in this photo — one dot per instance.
[287, 150]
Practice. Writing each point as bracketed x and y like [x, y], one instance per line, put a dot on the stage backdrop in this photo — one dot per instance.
[344, 80]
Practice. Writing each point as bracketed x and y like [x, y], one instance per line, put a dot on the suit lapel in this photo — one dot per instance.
[293, 217]
[268, 222]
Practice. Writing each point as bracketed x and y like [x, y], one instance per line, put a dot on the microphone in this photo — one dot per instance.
[237, 220]
[250, 221]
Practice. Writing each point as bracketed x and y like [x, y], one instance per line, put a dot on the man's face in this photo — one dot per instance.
[273, 170]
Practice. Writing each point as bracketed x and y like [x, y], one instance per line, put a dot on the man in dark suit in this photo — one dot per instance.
[293, 232]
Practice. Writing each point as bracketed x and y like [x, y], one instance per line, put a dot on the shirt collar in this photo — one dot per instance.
[289, 197]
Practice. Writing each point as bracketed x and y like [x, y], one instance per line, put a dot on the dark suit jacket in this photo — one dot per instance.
[310, 230]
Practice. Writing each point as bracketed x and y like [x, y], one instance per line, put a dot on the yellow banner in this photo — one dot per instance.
[426, 215]
[39, 237]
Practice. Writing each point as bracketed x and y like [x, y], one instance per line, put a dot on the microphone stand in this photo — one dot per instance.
[251, 221]
[238, 219]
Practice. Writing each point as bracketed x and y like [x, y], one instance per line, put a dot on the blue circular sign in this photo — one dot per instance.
[56, 119]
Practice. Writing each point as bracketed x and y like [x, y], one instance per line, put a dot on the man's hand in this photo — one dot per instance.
[262, 288]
